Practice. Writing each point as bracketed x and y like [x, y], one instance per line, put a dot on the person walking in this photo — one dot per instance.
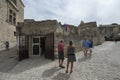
[115, 40]
[7, 45]
[71, 58]
[61, 53]
[90, 47]
[85, 45]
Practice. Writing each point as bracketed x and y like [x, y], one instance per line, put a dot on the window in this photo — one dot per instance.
[14, 1]
[12, 17]
[14, 20]
[10, 11]
[35, 40]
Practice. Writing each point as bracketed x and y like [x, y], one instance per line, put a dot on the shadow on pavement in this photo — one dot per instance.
[8, 59]
[50, 72]
[30, 63]
[7, 54]
[9, 62]
[61, 76]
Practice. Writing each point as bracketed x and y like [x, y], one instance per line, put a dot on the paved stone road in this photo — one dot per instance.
[103, 65]
[8, 59]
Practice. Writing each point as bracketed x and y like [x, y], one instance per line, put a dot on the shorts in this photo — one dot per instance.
[61, 55]
[90, 48]
[85, 49]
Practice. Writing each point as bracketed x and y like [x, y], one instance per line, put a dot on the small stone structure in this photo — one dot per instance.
[37, 32]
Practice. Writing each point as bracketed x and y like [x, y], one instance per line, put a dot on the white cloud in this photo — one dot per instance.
[73, 11]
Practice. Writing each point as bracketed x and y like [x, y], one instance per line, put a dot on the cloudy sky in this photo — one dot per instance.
[73, 11]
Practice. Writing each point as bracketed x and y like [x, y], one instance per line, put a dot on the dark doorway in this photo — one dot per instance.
[36, 46]
[36, 50]
[42, 45]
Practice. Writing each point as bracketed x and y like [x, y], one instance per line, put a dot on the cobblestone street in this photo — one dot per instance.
[103, 65]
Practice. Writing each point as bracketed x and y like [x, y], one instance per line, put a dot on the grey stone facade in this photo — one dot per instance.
[8, 23]
[76, 34]
[39, 29]
[111, 30]
[90, 30]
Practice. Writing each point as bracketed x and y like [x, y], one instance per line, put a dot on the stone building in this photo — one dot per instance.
[87, 29]
[11, 12]
[71, 35]
[110, 31]
[37, 38]
[90, 31]
[72, 30]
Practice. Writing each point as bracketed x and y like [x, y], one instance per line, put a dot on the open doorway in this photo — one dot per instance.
[42, 45]
[36, 46]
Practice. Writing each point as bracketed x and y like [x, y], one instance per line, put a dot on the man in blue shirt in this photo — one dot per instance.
[85, 46]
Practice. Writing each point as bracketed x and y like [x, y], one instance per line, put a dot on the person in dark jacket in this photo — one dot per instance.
[90, 47]
[7, 45]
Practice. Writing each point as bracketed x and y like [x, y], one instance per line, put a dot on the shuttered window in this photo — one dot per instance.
[12, 17]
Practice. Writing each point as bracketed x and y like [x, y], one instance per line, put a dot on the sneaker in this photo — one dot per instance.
[71, 71]
[59, 65]
[66, 71]
[62, 66]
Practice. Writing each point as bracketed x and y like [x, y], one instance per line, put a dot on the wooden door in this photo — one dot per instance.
[23, 47]
[49, 46]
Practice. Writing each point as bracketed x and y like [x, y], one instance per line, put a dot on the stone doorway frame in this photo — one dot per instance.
[36, 44]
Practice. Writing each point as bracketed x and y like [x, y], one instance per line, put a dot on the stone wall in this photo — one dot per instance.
[20, 13]
[109, 30]
[90, 30]
[38, 27]
[77, 34]
[7, 29]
